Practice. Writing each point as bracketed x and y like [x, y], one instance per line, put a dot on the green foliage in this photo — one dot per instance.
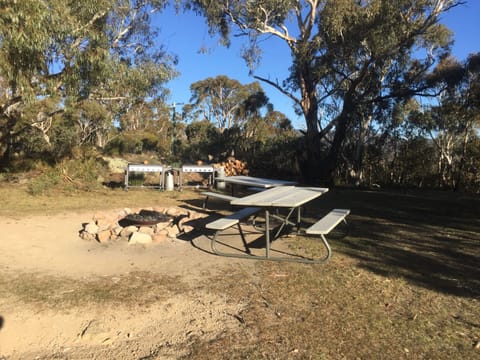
[470, 178]
[44, 182]
[135, 143]
[83, 172]
[225, 102]
[31, 144]
[75, 60]
[352, 57]
[453, 123]
[275, 158]
[204, 140]
[64, 139]
[124, 144]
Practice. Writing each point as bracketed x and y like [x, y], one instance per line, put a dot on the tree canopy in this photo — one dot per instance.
[75, 64]
[226, 102]
[374, 81]
[351, 59]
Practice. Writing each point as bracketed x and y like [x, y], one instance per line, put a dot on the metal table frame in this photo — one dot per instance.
[291, 198]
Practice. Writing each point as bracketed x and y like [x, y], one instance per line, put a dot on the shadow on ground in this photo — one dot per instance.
[430, 239]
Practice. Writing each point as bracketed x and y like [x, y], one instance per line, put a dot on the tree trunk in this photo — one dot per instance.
[357, 171]
[309, 160]
[330, 164]
[7, 140]
[461, 165]
[6, 157]
[318, 167]
[309, 149]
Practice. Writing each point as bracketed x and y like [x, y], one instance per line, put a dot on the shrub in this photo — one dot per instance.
[44, 182]
[82, 172]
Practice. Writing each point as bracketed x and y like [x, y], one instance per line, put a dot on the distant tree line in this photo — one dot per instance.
[384, 102]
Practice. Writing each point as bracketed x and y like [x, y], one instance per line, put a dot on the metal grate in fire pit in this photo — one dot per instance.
[145, 217]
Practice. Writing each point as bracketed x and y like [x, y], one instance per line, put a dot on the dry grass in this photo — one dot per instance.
[60, 293]
[16, 201]
[342, 312]
[403, 283]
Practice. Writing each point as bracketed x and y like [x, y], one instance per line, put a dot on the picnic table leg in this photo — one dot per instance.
[299, 217]
[249, 255]
[247, 249]
[285, 221]
[267, 234]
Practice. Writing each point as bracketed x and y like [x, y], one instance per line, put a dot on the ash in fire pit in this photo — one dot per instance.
[144, 217]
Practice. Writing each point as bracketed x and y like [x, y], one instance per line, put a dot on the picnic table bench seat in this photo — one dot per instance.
[328, 222]
[229, 221]
[322, 227]
[233, 219]
[216, 195]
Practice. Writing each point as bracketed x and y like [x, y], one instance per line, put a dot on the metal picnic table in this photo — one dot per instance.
[291, 198]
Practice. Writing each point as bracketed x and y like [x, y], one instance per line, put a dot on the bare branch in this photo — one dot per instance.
[282, 35]
[328, 128]
[115, 98]
[277, 86]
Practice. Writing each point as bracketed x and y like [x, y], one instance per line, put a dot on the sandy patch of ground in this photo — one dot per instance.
[50, 246]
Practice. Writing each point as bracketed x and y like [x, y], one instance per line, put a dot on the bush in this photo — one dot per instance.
[80, 173]
[44, 182]
[125, 144]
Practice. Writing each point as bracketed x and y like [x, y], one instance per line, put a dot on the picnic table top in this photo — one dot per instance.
[281, 196]
[256, 181]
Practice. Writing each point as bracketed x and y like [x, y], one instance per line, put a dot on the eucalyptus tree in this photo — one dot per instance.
[454, 119]
[347, 56]
[254, 111]
[76, 58]
[219, 100]
[240, 112]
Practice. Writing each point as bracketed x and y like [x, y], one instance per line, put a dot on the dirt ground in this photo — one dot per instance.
[402, 283]
[49, 247]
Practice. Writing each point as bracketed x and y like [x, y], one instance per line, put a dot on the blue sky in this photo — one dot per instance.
[185, 34]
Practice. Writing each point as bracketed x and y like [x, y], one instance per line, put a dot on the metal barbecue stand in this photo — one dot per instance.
[205, 169]
[143, 168]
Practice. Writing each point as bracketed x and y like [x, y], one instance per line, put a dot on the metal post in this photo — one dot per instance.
[267, 234]
[174, 121]
[174, 134]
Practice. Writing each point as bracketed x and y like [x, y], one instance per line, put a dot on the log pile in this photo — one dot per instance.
[233, 167]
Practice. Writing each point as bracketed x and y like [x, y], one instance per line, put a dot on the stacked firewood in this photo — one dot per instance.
[233, 167]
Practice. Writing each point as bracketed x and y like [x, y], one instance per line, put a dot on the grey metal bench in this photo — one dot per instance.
[230, 221]
[326, 224]
[220, 196]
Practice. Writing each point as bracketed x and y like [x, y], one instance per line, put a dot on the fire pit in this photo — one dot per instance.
[141, 226]
[145, 217]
